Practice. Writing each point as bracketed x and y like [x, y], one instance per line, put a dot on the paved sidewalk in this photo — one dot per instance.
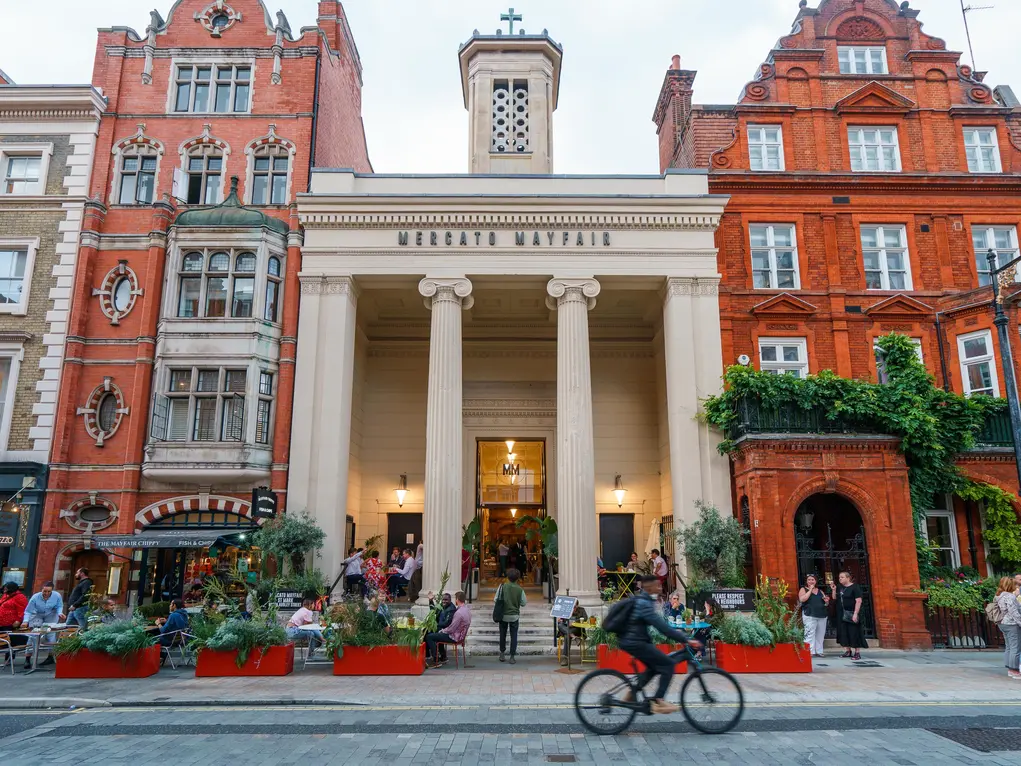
[885, 676]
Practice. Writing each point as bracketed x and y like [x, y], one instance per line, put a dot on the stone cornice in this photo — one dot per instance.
[512, 221]
[202, 54]
[819, 443]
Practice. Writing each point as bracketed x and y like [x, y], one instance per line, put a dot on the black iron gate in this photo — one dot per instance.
[828, 561]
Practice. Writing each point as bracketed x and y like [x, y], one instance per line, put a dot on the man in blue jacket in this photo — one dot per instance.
[636, 641]
[171, 627]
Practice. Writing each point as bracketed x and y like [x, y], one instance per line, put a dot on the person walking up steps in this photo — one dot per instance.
[511, 597]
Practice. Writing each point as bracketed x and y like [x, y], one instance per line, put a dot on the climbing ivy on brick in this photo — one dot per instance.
[933, 426]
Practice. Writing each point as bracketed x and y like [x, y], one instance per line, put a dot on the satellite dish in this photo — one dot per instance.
[744, 360]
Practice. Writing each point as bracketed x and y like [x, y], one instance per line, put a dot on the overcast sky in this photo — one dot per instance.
[615, 55]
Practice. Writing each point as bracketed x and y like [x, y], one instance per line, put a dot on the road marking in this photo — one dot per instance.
[564, 706]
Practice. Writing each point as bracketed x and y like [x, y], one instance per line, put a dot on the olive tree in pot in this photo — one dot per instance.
[714, 548]
[291, 537]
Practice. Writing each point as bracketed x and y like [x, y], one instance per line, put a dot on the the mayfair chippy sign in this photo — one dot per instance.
[495, 239]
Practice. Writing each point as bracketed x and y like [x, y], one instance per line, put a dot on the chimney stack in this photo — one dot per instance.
[672, 110]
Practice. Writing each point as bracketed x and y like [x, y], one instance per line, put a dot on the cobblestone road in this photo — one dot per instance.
[395, 735]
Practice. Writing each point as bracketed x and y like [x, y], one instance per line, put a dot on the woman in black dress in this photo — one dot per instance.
[850, 633]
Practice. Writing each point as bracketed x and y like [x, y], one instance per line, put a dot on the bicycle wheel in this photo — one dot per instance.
[599, 704]
[711, 701]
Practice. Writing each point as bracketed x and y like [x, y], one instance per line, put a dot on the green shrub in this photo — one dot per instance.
[959, 595]
[774, 611]
[118, 639]
[242, 636]
[742, 630]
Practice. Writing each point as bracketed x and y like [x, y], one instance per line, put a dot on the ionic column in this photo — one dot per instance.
[321, 419]
[682, 399]
[576, 484]
[441, 522]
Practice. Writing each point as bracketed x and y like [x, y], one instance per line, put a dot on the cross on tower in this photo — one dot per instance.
[510, 17]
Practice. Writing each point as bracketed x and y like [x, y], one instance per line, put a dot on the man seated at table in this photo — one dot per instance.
[353, 576]
[444, 616]
[44, 608]
[674, 610]
[108, 610]
[399, 578]
[305, 616]
[172, 625]
[455, 632]
[565, 629]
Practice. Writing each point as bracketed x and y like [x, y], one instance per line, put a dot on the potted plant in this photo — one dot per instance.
[770, 641]
[471, 535]
[610, 655]
[121, 649]
[232, 646]
[361, 645]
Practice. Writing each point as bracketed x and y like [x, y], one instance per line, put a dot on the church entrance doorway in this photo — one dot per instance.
[830, 539]
[510, 492]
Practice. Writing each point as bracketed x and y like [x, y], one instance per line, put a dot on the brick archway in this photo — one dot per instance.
[188, 504]
[62, 564]
[860, 498]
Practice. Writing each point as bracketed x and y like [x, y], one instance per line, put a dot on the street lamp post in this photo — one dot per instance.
[1008, 270]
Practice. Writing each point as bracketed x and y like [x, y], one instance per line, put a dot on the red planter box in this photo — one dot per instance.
[615, 659]
[86, 664]
[783, 658]
[380, 661]
[275, 661]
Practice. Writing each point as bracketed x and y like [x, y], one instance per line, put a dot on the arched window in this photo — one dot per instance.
[204, 169]
[271, 165]
[272, 289]
[205, 293]
[138, 165]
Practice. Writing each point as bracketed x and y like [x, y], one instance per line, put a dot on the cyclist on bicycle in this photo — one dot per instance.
[636, 641]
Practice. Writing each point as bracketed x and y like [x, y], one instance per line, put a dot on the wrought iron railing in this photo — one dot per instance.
[962, 630]
[756, 417]
[996, 432]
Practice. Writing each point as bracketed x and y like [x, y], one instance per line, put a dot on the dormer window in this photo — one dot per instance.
[860, 59]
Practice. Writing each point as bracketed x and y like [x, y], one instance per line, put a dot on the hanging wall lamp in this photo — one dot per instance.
[402, 490]
[619, 491]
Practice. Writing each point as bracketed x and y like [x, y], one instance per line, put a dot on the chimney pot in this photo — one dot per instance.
[676, 62]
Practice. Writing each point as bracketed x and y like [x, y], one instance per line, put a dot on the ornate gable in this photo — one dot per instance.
[875, 97]
[900, 307]
[784, 305]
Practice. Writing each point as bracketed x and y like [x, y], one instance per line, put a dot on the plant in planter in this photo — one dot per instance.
[236, 641]
[606, 647]
[363, 644]
[291, 537]
[119, 649]
[771, 641]
[545, 530]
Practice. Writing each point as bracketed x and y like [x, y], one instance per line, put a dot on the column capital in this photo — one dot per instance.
[563, 291]
[676, 286]
[454, 290]
[318, 284]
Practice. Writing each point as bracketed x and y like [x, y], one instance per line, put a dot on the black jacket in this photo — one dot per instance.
[445, 617]
[80, 594]
[645, 614]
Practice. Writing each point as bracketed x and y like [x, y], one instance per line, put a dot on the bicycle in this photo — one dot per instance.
[711, 699]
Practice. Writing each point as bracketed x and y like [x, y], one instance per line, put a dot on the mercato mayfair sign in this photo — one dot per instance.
[494, 239]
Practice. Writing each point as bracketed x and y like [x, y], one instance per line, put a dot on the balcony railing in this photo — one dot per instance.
[756, 417]
[996, 432]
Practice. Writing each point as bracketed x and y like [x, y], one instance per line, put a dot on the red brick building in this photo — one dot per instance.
[870, 171]
[176, 392]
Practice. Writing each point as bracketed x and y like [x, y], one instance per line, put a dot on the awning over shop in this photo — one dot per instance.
[168, 538]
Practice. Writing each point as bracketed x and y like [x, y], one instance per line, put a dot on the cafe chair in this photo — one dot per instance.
[178, 640]
[8, 651]
[461, 650]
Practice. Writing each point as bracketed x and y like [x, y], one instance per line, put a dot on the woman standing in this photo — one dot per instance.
[850, 633]
[375, 574]
[1010, 626]
[813, 614]
[512, 596]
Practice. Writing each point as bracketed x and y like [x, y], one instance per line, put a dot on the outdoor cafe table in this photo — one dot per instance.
[625, 581]
[35, 637]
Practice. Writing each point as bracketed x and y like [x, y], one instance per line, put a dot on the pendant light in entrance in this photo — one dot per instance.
[402, 490]
[619, 491]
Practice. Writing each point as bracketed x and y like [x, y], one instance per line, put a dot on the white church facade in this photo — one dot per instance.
[507, 342]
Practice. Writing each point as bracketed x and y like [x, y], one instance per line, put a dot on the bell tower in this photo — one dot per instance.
[510, 84]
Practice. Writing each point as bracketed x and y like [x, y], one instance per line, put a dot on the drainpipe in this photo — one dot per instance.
[315, 118]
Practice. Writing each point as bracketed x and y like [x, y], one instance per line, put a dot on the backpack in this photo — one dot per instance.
[993, 613]
[618, 616]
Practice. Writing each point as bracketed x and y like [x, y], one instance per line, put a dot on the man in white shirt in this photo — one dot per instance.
[353, 574]
[399, 578]
[416, 578]
[659, 567]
